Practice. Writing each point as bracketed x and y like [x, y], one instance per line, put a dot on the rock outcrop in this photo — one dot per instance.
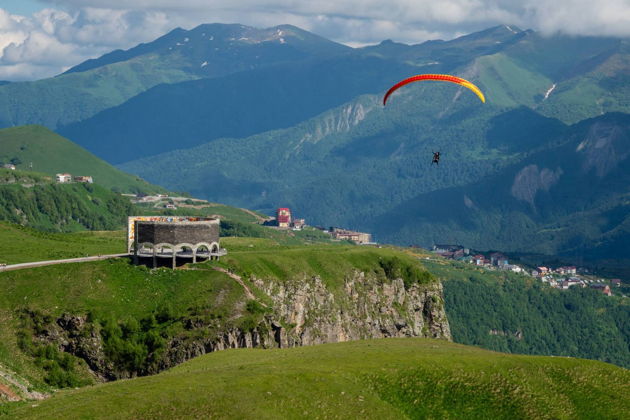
[305, 311]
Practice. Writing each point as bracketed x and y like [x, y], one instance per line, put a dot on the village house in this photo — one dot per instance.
[85, 179]
[349, 235]
[170, 206]
[9, 166]
[616, 282]
[479, 259]
[498, 259]
[298, 224]
[572, 281]
[571, 271]
[541, 271]
[513, 267]
[450, 248]
[604, 288]
[63, 178]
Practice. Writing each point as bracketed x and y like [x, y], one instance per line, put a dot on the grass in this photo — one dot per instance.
[269, 259]
[380, 379]
[50, 153]
[108, 289]
[115, 289]
[20, 244]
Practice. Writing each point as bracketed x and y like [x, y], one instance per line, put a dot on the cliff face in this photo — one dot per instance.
[305, 311]
[365, 308]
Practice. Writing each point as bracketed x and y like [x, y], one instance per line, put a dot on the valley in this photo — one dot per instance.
[335, 308]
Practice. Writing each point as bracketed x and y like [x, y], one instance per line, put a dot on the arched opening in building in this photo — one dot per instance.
[203, 252]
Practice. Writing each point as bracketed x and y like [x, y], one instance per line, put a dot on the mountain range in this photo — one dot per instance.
[263, 118]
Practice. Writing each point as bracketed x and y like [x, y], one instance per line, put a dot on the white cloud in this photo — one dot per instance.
[50, 41]
[54, 39]
[407, 19]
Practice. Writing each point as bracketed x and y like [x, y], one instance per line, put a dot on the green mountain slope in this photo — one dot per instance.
[262, 98]
[205, 51]
[370, 379]
[60, 207]
[237, 105]
[368, 167]
[38, 149]
[504, 311]
[569, 199]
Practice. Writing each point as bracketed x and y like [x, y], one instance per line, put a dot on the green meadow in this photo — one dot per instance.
[374, 379]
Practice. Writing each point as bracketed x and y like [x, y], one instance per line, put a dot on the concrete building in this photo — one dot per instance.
[9, 166]
[164, 237]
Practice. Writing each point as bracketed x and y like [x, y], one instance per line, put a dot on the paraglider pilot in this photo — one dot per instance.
[436, 158]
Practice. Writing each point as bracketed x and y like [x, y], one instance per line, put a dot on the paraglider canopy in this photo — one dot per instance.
[439, 77]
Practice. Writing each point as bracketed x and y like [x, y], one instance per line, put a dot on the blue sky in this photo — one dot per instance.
[41, 38]
[22, 7]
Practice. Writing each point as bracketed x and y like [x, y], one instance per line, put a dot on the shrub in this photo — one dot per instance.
[396, 268]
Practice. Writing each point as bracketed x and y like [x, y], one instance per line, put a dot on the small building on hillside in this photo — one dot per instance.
[63, 178]
[84, 179]
[478, 259]
[569, 270]
[350, 235]
[616, 282]
[9, 166]
[514, 268]
[498, 259]
[459, 249]
[542, 271]
[283, 217]
[572, 281]
[298, 224]
[604, 288]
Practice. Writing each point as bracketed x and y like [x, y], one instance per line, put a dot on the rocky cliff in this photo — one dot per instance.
[304, 311]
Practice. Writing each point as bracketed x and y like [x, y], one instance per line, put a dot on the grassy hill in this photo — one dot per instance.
[61, 207]
[50, 153]
[391, 378]
[19, 244]
[143, 316]
[178, 56]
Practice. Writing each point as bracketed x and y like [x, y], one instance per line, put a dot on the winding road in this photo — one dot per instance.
[21, 266]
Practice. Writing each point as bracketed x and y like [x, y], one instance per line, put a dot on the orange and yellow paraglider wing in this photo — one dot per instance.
[441, 77]
[475, 89]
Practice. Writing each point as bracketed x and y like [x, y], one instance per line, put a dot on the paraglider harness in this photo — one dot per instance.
[436, 158]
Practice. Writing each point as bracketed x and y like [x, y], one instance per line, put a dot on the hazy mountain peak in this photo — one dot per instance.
[200, 44]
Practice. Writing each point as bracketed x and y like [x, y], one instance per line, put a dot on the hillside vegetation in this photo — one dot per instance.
[390, 378]
[143, 321]
[63, 207]
[36, 148]
[547, 152]
[507, 312]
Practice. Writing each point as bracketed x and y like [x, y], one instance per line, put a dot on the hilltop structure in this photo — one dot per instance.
[170, 237]
[283, 217]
